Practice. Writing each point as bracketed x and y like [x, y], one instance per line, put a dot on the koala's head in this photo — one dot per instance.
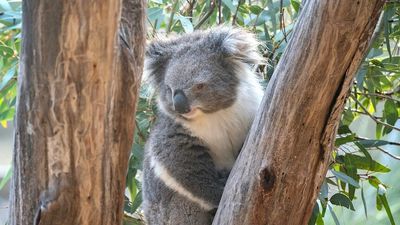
[198, 73]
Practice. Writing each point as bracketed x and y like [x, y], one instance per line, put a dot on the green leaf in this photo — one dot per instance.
[373, 143]
[378, 202]
[7, 77]
[228, 3]
[255, 9]
[320, 220]
[343, 140]
[324, 190]
[335, 219]
[377, 63]
[386, 16]
[390, 112]
[385, 204]
[361, 75]
[365, 163]
[154, 13]
[137, 202]
[343, 129]
[186, 24]
[295, 5]
[314, 215]
[378, 130]
[6, 178]
[364, 204]
[363, 150]
[343, 177]
[131, 184]
[5, 6]
[136, 160]
[341, 200]
[374, 181]
[352, 172]
[347, 117]
[6, 51]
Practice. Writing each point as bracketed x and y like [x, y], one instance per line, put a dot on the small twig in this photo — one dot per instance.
[388, 153]
[255, 21]
[282, 21]
[171, 17]
[219, 11]
[394, 91]
[362, 112]
[277, 45]
[373, 117]
[205, 17]
[188, 9]
[139, 132]
[236, 12]
[385, 96]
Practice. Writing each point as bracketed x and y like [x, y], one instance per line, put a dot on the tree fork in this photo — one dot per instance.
[283, 163]
[80, 69]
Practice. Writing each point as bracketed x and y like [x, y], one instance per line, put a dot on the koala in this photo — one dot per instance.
[207, 95]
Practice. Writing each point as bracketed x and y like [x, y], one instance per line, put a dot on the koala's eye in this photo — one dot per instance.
[199, 86]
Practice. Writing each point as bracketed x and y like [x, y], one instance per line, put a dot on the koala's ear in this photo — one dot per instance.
[157, 56]
[241, 45]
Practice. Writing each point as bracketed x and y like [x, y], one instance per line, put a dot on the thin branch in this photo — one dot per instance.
[282, 21]
[396, 90]
[171, 17]
[255, 21]
[385, 96]
[236, 12]
[139, 132]
[362, 112]
[371, 116]
[276, 46]
[388, 153]
[219, 11]
[205, 17]
[189, 11]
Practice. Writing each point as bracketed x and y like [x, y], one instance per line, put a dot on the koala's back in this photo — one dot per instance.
[168, 195]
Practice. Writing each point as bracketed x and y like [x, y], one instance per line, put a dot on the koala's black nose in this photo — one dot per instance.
[181, 103]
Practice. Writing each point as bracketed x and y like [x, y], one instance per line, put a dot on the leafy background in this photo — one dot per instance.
[361, 186]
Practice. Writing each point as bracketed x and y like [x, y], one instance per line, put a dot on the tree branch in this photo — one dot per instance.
[289, 146]
[205, 17]
[371, 116]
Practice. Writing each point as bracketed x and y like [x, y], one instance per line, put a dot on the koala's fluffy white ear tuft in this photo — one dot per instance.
[241, 45]
[156, 59]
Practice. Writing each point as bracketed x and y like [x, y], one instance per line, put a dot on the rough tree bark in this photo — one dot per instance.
[80, 69]
[278, 174]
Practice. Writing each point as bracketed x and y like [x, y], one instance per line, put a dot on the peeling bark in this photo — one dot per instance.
[281, 167]
[80, 69]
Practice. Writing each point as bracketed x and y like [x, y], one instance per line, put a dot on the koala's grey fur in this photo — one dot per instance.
[208, 96]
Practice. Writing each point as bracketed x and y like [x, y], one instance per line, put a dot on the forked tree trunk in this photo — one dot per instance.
[278, 174]
[80, 69]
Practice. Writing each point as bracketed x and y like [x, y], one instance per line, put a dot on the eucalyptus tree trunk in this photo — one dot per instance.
[80, 69]
[281, 167]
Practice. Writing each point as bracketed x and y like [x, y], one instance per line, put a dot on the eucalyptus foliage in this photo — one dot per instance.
[356, 162]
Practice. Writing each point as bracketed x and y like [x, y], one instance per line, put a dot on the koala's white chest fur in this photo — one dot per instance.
[225, 130]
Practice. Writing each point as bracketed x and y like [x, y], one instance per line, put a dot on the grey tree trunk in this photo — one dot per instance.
[80, 69]
[281, 167]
